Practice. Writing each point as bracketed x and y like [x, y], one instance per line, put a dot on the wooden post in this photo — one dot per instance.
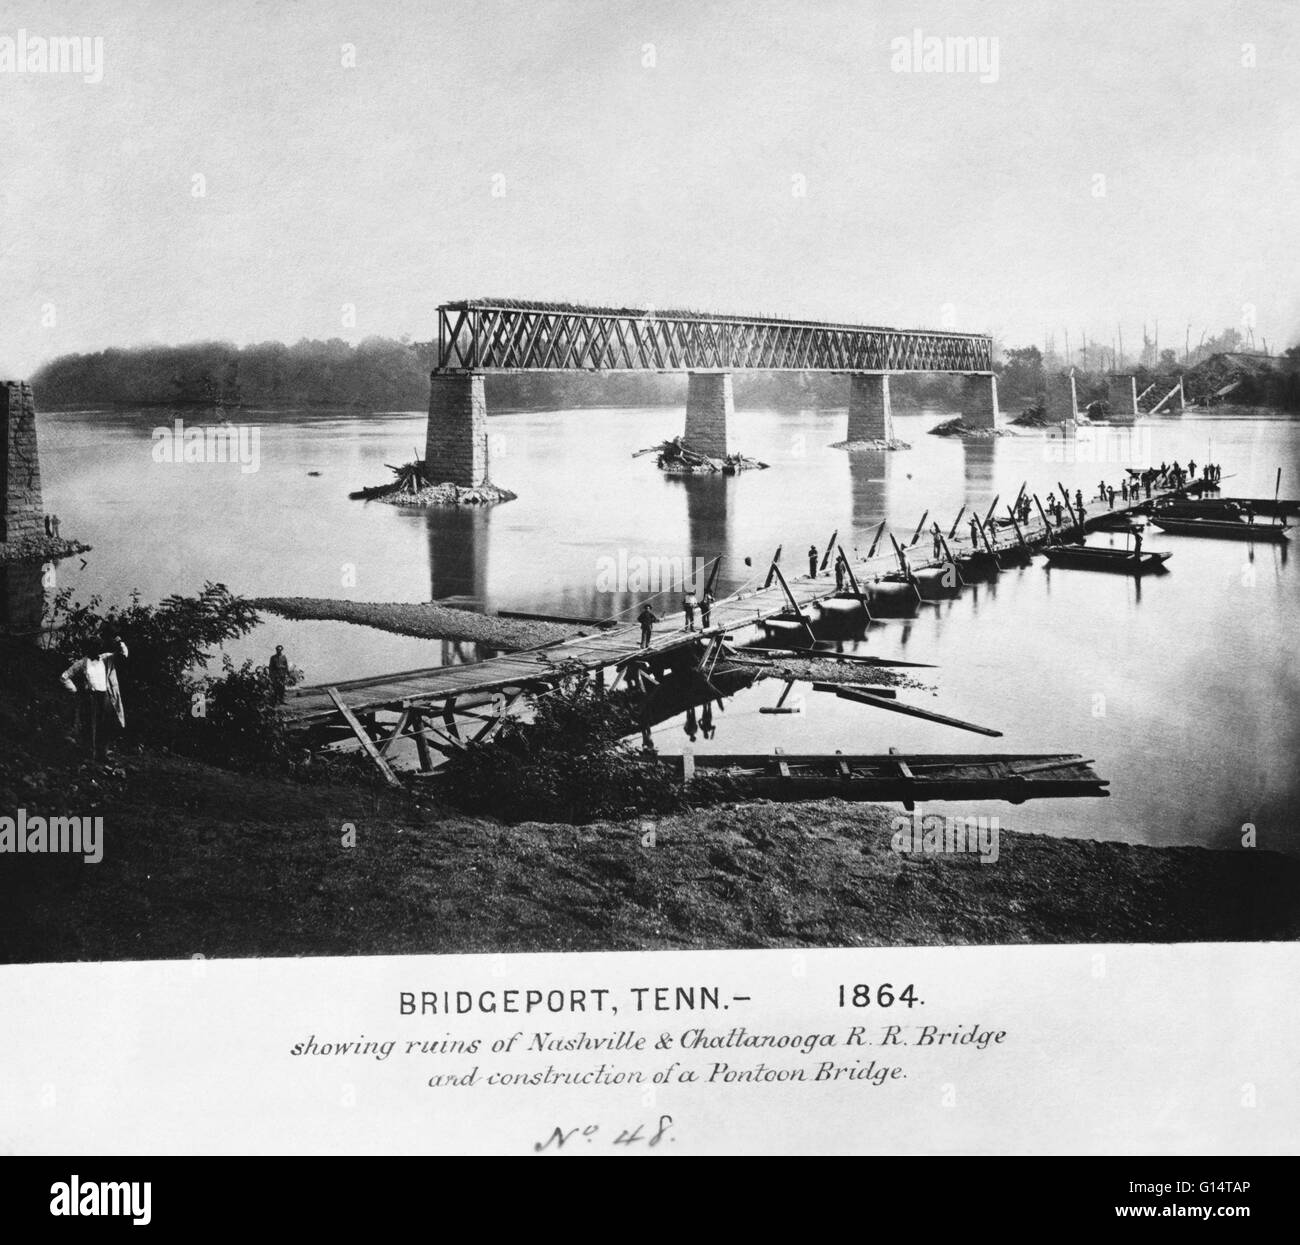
[916, 535]
[794, 605]
[830, 544]
[1020, 536]
[403, 720]
[1065, 497]
[422, 745]
[955, 522]
[880, 531]
[367, 744]
[997, 498]
[713, 575]
[776, 557]
[1047, 523]
[947, 553]
[857, 591]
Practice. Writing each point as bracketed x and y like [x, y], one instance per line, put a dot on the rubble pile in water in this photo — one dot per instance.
[677, 458]
[959, 428]
[412, 486]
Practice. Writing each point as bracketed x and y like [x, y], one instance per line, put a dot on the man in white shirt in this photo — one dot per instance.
[93, 680]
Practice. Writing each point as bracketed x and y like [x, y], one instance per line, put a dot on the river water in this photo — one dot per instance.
[1183, 687]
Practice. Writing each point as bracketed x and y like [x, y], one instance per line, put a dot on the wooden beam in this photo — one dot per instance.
[853, 583]
[794, 605]
[830, 544]
[771, 570]
[867, 698]
[1047, 523]
[367, 744]
[403, 720]
[880, 531]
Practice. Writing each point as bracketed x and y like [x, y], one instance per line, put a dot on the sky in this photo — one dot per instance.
[269, 171]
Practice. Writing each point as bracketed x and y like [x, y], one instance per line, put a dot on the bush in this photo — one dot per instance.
[170, 699]
[570, 763]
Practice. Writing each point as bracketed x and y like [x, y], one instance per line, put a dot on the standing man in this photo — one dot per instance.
[279, 668]
[1110, 497]
[839, 574]
[93, 680]
[706, 608]
[1137, 543]
[689, 604]
[812, 561]
[647, 618]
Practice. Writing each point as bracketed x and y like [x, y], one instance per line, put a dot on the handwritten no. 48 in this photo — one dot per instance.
[560, 1137]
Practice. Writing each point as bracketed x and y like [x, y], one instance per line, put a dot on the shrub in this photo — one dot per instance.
[570, 763]
[170, 698]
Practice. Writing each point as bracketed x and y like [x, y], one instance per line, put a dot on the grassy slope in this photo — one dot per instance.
[204, 861]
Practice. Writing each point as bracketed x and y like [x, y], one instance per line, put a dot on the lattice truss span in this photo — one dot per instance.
[507, 336]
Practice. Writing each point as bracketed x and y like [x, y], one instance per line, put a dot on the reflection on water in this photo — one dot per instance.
[1182, 687]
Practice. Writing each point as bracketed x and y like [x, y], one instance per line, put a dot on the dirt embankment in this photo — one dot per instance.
[204, 861]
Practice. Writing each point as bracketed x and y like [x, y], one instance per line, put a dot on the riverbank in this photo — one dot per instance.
[425, 620]
[199, 860]
[39, 549]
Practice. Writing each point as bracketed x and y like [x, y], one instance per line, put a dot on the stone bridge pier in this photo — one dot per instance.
[871, 417]
[456, 444]
[22, 514]
[1121, 397]
[710, 414]
[979, 402]
[1062, 399]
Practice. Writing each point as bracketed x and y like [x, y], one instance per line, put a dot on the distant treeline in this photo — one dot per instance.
[381, 373]
[377, 373]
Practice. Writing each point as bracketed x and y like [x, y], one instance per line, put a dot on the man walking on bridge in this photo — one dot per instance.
[647, 618]
[689, 604]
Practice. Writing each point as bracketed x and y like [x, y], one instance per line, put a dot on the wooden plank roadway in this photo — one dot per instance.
[310, 705]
